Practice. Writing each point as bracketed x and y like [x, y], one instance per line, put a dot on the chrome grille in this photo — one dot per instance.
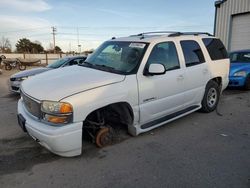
[31, 105]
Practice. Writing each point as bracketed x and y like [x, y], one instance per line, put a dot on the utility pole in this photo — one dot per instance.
[78, 44]
[54, 39]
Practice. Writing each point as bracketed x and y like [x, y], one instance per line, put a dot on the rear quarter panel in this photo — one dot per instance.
[220, 68]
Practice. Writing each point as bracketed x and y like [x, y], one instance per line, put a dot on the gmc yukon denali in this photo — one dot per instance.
[138, 82]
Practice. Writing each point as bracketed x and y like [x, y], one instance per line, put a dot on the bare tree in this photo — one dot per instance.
[5, 45]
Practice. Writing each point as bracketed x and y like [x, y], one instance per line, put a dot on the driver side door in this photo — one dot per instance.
[161, 95]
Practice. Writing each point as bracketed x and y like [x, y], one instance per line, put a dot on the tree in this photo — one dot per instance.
[37, 47]
[26, 46]
[5, 46]
[51, 49]
[58, 49]
[23, 45]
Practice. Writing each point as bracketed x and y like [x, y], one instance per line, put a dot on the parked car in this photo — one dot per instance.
[240, 69]
[139, 82]
[16, 79]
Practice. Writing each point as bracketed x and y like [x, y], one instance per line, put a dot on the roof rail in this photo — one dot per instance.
[155, 32]
[171, 33]
[189, 33]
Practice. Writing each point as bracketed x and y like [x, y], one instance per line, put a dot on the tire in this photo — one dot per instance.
[247, 84]
[21, 67]
[8, 67]
[211, 97]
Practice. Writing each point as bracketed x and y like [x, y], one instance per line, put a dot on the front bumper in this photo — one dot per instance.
[64, 140]
[236, 81]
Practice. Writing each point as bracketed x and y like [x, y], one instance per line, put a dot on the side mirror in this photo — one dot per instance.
[155, 69]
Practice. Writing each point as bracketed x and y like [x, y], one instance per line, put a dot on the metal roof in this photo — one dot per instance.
[218, 3]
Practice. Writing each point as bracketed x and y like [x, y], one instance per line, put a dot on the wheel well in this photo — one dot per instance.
[218, 80]
[121, 113]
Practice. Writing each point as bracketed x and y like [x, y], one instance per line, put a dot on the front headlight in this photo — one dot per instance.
[57, 112]
[22, 78]
[241, 73]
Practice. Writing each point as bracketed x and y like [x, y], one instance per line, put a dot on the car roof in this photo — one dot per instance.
[161, 35]
[245, 50]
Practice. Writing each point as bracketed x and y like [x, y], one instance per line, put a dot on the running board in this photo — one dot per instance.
[168, 117]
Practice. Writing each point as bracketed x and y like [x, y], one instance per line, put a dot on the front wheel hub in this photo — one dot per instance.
[104, 136]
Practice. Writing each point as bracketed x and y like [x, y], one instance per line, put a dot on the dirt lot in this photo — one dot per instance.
[199, 150]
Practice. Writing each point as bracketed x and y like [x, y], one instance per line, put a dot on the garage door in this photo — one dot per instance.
[240, 37]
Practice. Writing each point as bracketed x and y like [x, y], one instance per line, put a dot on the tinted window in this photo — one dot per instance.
[215, 48]
[192, 53]
[76, 61]
[165, 53]
[240, 57]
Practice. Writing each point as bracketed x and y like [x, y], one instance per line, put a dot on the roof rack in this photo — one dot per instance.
[189, 33]
[172, 33]
[155, 32]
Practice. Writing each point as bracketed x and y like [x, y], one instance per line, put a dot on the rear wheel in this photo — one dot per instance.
[211, 97]
[21, 66]
[247, 84]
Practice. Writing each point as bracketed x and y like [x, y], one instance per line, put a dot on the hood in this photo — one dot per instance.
[60, 83]
[235, 67]
[30, 72]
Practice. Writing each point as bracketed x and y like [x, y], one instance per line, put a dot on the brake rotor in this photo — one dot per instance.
[104, 137]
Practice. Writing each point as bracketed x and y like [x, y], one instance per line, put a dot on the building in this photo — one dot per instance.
[232, 23]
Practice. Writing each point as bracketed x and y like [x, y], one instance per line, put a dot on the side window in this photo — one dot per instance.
[192, 53]
[165, 53]
[75, 62]
[72, 62]
[215, 48]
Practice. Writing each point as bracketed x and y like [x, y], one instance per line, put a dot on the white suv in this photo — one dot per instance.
[139, 82]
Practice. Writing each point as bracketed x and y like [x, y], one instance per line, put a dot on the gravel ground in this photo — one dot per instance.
[199, 150]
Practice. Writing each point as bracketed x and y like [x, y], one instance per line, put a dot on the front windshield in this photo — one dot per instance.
[118, 57]
[58, 63]
[240, 57]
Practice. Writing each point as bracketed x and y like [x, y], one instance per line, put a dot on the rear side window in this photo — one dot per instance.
[192, 53]
[215, 48]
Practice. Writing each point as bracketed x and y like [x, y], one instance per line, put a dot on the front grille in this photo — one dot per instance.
[14, 88]
[31, 105]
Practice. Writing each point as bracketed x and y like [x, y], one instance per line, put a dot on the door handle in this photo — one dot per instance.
[180, 77]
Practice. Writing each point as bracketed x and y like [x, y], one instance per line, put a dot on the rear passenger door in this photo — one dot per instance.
[196, 72]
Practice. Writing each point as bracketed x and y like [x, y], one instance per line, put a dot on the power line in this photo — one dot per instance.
[24, 30]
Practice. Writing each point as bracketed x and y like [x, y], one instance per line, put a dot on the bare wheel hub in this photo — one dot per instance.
[104, 136]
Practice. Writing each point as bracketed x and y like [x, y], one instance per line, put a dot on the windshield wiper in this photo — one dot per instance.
[105, 66]
[86, 63]
[100, 67]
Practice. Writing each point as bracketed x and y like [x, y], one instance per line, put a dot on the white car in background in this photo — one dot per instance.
[140, 82]
[16, 79]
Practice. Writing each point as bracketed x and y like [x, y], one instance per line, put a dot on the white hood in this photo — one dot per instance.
[60, 83]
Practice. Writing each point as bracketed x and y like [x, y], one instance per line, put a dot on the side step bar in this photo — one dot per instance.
[168, 117]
